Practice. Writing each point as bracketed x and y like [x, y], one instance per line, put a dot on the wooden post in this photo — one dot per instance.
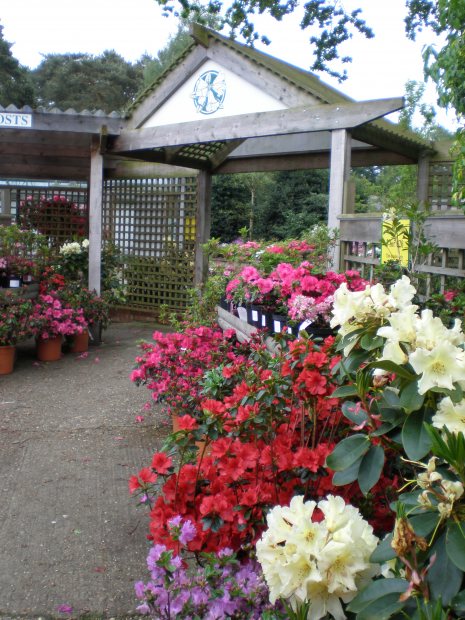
[423, 180]
[202, 228]
[339, 174]
[95, 217]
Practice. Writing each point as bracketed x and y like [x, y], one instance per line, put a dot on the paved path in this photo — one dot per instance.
[69, 532]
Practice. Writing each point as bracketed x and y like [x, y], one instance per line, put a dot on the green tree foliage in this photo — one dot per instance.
[330, 23]
[82, 81]
[274, 205]
[15, 85]
[154, 67]
[296, 201]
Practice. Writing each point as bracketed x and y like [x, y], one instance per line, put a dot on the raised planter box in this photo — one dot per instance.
[31, 291]
[244, 331]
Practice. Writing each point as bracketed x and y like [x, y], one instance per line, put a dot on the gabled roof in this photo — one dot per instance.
[382, 130]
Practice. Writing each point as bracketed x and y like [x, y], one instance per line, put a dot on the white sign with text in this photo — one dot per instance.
[15, 120]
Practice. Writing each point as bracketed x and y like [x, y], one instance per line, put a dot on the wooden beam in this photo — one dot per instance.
[74, 122]
[309, 161]
[390, 141]
[277, 122]
[423, 180]
[95, 217]
[45, 172]
[220, 156]
[202, 229]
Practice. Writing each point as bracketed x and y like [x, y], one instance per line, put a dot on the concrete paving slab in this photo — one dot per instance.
[70, 534]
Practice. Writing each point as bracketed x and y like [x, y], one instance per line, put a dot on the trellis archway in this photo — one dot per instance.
[270, 116]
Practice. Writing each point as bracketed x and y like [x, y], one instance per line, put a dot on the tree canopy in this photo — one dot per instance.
[15, 83]
[81, 81]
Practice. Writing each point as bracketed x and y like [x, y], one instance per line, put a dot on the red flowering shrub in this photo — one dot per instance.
[267, 438]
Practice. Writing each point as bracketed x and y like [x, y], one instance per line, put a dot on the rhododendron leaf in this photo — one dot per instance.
[458, 602]
[347, 452]
[353, 412]
[344, 391]
[455, 543]
[383, 552]
[349, 338]
[347, 476]
[370, 468]
[400, 371]
[389, 399]
[380, 599]
[415, 437]
[370, 342]
[410, 399]
[444, 577]
[424, 524]
[353, 362]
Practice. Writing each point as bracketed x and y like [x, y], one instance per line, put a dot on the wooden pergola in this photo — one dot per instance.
[221, 108]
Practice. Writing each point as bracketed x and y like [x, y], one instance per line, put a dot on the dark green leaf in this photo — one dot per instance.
[370, 342]
[383, 552]
[370, 468]
[415, 437]
[353, 412]
[344, 391]
[390, 398]
[400, 371]
[349, 338]
[347, 452]
[354, 360]
[444, 577]
[410, 399]
[386, 591]
[455, 543]
[424, 524]
[347, 476]
[458, 602]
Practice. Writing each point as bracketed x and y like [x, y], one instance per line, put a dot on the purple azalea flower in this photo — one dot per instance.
[188, 532]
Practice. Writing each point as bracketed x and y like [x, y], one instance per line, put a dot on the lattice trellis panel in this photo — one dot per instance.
[62, 216]
[152, 222]
[440, 186]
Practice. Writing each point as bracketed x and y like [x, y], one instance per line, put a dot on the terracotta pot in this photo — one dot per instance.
[80, 342]
[7, 359]
[201, 445]
[49, 350]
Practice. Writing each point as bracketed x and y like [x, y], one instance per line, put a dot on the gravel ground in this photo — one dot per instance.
[70, 534]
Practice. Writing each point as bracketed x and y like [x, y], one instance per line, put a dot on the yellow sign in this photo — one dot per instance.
[395, 236]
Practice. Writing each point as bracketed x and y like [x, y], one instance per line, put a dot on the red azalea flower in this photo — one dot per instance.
[187, 423]
[161, 463]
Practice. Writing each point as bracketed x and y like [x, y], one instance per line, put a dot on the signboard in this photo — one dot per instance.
[395, 240]
[15, 120]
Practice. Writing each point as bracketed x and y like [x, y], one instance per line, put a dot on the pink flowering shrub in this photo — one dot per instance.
[302, 291]
[51, 317]
[173, 365]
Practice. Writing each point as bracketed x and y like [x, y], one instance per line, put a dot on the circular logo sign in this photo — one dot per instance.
[209, 92]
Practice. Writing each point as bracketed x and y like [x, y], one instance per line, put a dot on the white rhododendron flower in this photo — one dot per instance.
[439, 367]
[451, 415]
[401, 293]
[323, 562]
[346, 304]
[85, 243]
[431, 331]
[70, 248]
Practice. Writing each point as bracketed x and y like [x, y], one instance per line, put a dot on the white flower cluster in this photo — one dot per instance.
[74, 247]
[434, 351]
[319, 562]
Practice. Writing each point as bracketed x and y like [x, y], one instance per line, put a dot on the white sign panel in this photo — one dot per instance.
[15, 120]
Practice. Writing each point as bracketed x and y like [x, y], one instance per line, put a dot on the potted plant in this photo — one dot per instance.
[96, 309]
[14, 327]
[52, 319]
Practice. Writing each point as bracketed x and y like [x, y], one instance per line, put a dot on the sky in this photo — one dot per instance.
[380, 67]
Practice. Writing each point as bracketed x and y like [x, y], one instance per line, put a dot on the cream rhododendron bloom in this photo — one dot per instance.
[323, 562]
[431, 331]
[451, 415]
[346, 304]
[439, 367]
[401, 293]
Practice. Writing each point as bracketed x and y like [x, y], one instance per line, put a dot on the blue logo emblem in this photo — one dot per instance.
[209, 92]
